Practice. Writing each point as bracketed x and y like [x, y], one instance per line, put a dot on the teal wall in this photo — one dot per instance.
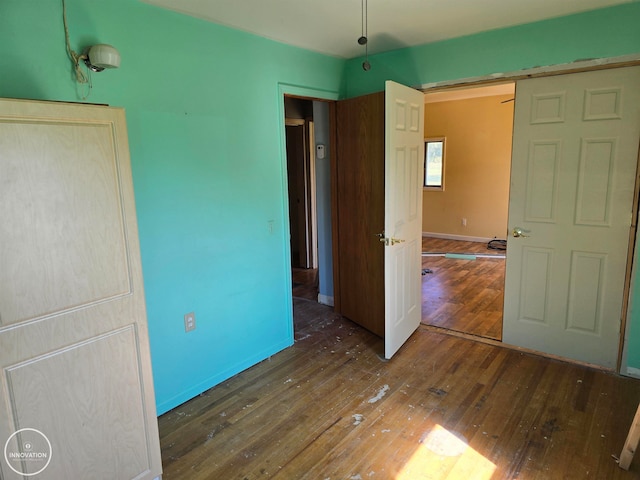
[203, 106]
[204, 110]
[602, 33]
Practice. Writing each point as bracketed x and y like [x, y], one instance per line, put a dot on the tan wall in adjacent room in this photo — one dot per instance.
[478, 135]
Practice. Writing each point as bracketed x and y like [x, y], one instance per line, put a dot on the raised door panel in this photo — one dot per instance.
[66, 202]
[70, 395]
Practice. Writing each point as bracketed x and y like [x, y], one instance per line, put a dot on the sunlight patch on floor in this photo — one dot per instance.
[446, 455]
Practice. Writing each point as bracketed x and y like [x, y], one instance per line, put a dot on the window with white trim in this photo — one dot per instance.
[434, 163]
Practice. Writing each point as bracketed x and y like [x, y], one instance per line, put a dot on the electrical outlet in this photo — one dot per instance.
[189, 322]
[464, 222]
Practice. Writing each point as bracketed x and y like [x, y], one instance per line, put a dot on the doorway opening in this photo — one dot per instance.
[465, 219]
[306, 140]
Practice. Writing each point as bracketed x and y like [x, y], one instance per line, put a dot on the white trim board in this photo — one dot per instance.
[451, 236]
[633, 372]
[325, 300]
[548, 70]
[463, 255]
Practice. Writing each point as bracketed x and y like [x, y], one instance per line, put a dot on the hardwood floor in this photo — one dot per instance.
[463, 295]
[443, 408]
[305, 283]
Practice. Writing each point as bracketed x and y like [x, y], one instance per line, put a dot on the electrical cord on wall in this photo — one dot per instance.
[82, 78]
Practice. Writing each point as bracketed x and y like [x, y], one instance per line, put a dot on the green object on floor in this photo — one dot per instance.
[460, 256]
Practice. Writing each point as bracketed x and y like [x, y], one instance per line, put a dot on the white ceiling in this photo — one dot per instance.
[333, 26]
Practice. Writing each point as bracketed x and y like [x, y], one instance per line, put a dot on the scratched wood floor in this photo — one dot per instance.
[463, 295]
[443, 408]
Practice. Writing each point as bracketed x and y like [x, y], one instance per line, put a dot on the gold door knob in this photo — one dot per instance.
[390, 241]
[518, 232]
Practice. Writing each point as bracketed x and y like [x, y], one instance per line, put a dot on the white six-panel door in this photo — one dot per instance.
[404, 152]
[575, 150]
[74, 350]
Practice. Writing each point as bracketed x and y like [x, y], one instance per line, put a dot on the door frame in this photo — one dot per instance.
[307, 93]
[498, 90]
[306, 165]
[565, 69]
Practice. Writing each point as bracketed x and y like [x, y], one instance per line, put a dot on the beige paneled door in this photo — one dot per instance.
[76, 392]
[403, 177]
[575, 150]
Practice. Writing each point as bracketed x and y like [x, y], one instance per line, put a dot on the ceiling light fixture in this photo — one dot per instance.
[96, 57]
[363, 40]
[101, 56]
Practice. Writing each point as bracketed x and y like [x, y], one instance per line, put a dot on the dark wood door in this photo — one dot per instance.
[295, 135]
[359, 208]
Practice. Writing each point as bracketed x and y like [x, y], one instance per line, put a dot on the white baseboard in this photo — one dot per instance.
[633, 372]
[450, 236]
[325, 300]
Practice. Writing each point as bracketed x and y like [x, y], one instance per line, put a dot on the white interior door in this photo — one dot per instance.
[404, 152]
[575, 150]
[76, 386]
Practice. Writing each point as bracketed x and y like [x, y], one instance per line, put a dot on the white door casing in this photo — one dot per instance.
[404, 152]
[575, 149]
[74, 348]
